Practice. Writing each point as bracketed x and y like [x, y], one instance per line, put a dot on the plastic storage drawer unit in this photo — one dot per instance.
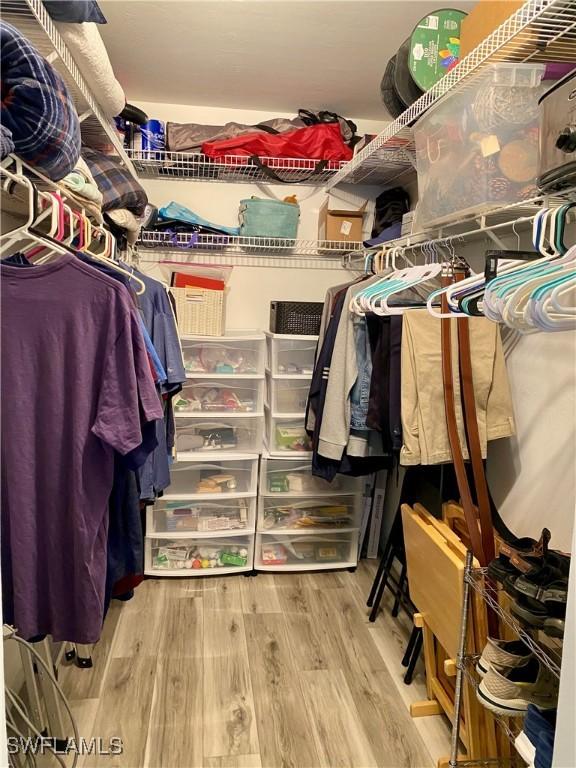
[286, 434]
[477, 148]
[234, 355]
[308, 514]
[218, 396]
[293, 477]
[287, 395]
[185, 556]
[213, 478]
[292, 355]
[170, 516]
[234, 433]
[302, 552]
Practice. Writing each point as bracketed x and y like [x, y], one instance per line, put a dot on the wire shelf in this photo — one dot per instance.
[237, 246]
[32, 19]
[490, 593]
[193, 166]
[541, 30]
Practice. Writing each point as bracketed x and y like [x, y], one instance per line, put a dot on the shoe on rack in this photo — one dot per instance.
[509, 692]
[540, 599]
[520, 557]
[502, 654]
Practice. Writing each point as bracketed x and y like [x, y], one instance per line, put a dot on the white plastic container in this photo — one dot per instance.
[477, 148]
[286, 435]
[233, 355]
[287, 395]
[202, 518]
[276, 551]
[220, 396]
[238, 433]
[291, 355]
[212, 478]
[290, 477]
[187, 555]
[308, 514]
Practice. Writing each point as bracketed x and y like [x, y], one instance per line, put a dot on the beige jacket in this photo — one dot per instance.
[425, 433]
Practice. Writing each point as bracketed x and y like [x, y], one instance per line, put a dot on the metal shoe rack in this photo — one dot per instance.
[549, 655]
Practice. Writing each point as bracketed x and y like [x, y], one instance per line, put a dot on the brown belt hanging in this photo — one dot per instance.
[473, 438]
[476, 539]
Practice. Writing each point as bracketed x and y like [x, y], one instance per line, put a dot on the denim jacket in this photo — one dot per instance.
[360, 394]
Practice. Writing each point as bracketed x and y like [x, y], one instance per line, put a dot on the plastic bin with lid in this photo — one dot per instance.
[276, 551]
[232, 355]
[213, 478]
[304, 514]
[201, 516]
[183, 555]
[287, 395]
[477, 148]
[236, 433]
[293, 477]
[291, 355]
[220, 396]
[286, 434]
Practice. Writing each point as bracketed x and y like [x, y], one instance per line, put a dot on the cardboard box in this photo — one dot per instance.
[340, 224]
[484, 18]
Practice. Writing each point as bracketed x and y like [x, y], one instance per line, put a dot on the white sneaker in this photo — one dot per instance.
[510, 691]
[502, 654]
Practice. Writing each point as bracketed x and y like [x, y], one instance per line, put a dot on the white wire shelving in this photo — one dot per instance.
[541, 30]
[32, 19]
[193, 166]
[243, 251]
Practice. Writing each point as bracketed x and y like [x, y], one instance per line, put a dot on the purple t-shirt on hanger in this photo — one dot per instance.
[75, 386]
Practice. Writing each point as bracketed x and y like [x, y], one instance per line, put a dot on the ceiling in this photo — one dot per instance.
[259, 54]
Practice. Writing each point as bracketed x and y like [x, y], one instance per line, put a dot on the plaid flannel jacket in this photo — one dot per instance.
[119, 188]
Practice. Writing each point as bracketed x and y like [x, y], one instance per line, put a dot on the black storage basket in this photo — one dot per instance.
[296, 317]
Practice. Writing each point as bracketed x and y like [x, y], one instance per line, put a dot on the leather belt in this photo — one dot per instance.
[476, 539]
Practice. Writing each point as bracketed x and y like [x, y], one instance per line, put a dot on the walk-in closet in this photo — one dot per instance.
[288, 368]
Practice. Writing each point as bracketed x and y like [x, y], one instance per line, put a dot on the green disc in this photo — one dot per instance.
[435, 46]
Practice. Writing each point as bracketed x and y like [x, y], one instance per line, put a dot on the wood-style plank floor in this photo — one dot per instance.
[272, 671]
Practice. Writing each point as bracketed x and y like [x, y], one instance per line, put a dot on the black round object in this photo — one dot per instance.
[407, 90]
[388, 91]
[133, 114]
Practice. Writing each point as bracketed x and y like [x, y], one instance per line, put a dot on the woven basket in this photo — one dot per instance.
[200, 310]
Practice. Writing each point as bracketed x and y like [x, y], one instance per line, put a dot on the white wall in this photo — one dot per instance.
[533, 475]
[250, 289]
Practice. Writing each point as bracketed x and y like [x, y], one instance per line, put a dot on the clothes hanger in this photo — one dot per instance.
[520, 300]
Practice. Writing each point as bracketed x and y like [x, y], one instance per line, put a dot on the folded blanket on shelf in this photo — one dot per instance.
[126, 219]
[82, 183]
[74, 11]
[37, 107]
[89, 52]
[185, 215]
[119, 188]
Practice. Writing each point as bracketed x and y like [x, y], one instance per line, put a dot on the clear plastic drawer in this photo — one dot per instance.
[241, 434]
[292, 355]
[287, 395]
[213, 478]
[308, 514]
[226, 355]
[294, 477]
[200, 516]
[185, 556]
[275, 551]
[286, 435]
[220, 396]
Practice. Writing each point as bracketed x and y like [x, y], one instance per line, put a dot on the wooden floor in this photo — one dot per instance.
[277, 670]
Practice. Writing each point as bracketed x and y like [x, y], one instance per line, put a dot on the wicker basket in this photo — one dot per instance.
[200, 310]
